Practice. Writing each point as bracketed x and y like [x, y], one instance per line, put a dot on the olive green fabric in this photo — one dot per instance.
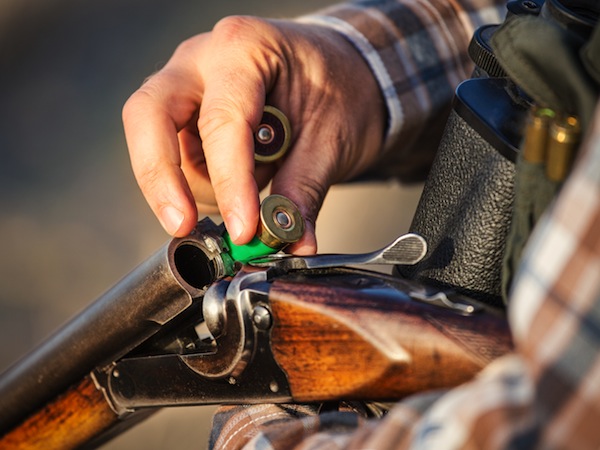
[557, 69]
[544, 60]
[590, 55]
[533, 192]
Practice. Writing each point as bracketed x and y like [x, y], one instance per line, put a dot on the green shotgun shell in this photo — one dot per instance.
[280, 224]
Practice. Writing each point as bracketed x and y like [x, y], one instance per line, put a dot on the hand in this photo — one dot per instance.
[189, 128]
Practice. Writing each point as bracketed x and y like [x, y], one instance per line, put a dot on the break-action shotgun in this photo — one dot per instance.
[193, 325]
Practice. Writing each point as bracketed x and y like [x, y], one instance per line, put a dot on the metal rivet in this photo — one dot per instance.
[261, 317]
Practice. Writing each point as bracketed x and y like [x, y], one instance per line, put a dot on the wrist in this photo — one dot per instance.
[392, 109]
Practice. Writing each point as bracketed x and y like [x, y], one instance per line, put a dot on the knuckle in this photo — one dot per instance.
[314, 192]
[237, 28]
[216, 119]
[338, 155]
[223, 184]
[134, 104]
[138, 103]
[148, 177]
[226, 182]
[185, 48]
[152, 180]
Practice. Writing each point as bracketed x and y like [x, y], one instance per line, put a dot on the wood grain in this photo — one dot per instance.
[337, 343]
[73, 419]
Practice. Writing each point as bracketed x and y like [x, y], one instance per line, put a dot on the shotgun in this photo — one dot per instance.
[194, 325]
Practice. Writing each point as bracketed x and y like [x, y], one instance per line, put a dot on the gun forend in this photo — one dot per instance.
[137, 307]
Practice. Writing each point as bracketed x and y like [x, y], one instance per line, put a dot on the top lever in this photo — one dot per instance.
[407, 249]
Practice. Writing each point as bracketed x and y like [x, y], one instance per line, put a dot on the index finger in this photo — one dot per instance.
[152, 117]
[236, 80]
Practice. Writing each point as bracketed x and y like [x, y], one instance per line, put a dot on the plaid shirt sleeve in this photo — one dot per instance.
[544, 395]
[417, 50]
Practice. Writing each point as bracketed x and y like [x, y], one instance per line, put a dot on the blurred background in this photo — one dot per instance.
[72, 221]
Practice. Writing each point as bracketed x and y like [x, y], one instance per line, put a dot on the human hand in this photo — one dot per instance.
[190, 127]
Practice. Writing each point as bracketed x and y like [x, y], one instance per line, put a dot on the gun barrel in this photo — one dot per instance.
[125, 316]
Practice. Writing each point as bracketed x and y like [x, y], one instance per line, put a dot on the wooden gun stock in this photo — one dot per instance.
[337, 342]
[335, 335]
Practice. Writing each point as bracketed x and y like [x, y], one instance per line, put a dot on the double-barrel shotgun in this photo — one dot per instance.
[204, 322]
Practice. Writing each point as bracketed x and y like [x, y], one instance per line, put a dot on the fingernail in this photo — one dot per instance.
[171, 219]
[235, 227]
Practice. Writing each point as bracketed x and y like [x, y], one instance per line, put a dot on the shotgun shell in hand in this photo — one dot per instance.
[272, 137]
[280, 224]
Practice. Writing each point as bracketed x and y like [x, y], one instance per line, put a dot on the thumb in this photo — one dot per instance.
[305, 180]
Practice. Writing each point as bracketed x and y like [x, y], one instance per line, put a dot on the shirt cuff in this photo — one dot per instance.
[417, 52]
[378, 67]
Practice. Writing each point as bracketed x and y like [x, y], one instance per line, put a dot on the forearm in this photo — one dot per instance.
[417, 51]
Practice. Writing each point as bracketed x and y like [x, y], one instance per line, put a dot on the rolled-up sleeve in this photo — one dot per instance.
[417, 51]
